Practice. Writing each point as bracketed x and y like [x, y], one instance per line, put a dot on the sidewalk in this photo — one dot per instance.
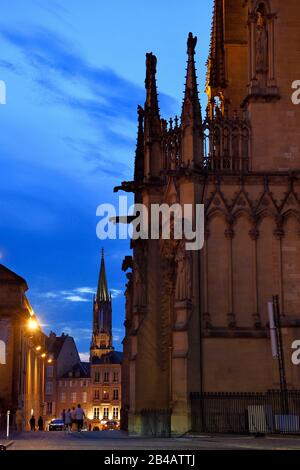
[118, 440]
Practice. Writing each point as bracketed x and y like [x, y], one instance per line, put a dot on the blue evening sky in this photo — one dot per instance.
[74, 72]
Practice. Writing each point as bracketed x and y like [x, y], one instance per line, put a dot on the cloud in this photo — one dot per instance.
[50, 295]
[85, 356]
[116, 293]
[91, 154]
[76, 331]
[100, 93]
[76, 298]
[85, 290]
[5, 64]
[78, 294]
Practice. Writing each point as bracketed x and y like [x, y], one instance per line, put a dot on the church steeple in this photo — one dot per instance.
[102, 316]
[102, 290]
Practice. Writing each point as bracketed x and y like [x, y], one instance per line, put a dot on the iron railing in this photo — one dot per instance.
[156, 423]
[246, 413]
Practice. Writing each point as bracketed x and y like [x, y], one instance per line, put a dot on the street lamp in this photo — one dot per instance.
[32, 324]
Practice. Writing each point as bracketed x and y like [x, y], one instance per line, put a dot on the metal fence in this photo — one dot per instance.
[156, 423]
[246, 413]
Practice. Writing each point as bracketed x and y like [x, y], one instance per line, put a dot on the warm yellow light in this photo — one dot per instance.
[38, 348]
[32, 324]
[43, 355]
[49, 360]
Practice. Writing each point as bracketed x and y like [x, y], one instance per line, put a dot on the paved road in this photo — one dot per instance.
[117, 440]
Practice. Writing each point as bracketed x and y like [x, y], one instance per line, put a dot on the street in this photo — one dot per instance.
[117, 440]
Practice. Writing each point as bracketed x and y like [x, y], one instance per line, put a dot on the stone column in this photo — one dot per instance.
[229, 234]
[206, 315]
[279, 234]
[254, 234]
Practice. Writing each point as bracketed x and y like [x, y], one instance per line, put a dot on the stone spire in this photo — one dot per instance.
[151, 106]
[152, 125]
[102, 290]
[139, 153]
[102, 317]
[191, 119]
[216, 59]
[191, 108]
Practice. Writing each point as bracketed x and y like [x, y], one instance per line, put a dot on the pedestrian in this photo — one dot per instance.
[19, 420]
[79, 414]
[63, 416]
[41, 424]
[32, 423]
[73, 418]
[69, 420]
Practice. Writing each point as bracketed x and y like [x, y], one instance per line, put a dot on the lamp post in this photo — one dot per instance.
[7, 424]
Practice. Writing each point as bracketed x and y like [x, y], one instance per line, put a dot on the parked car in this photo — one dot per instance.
[56, 425]
[111, 425]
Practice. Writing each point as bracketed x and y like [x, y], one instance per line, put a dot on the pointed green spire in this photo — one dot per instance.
[102, 291]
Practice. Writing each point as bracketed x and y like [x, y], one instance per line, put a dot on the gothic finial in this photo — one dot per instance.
[164, 126]
[150, 83]
[191, 44]
[152, 122]
[191, 104]
[139, 153]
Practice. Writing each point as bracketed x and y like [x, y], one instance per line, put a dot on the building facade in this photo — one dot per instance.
[62, 357]
[96, 384]
[105, 362]
[197, 321]
[22, 352]
[75, 387]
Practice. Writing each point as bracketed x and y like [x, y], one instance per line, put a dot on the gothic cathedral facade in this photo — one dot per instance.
[197, 321]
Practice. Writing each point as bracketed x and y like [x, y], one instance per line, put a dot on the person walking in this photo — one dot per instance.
[32, 423]
[63, 416]
[69, 420]
[19, 420]
[73, 418]
[41, 424]
[79, 414]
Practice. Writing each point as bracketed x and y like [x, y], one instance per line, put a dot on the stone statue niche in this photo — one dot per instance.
[183, 290]
[262, 46]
